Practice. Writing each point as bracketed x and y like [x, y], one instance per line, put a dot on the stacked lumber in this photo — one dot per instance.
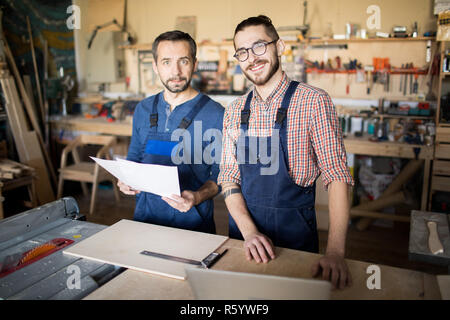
[28, 139]
[10, 169]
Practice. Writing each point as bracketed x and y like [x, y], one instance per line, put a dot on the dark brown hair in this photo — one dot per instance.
[175, 35]
[257, 21]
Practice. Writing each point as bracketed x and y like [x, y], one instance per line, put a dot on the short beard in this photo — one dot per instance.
[177, 89]
[263, 81]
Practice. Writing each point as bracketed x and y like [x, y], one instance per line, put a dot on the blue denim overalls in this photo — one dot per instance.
[281, 209]
[158, 149]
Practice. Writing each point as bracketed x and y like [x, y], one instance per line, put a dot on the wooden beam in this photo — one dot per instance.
[36, 72]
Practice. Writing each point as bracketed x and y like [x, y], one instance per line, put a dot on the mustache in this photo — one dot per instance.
[177, 79]
[256, 62]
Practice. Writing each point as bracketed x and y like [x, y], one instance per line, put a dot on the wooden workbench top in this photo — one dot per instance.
[396, 283]
[356, 145]
[98, 125]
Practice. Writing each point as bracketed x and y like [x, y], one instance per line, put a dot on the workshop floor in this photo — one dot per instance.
[378, 245]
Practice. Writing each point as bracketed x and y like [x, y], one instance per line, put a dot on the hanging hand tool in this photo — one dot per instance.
[401, 79]
[347, 87]
[416, 84]
[386, 85]
[338, 62]
[406, 79]
[369, 70]
[411, 79]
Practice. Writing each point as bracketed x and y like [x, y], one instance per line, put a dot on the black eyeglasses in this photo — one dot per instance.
[258, 49]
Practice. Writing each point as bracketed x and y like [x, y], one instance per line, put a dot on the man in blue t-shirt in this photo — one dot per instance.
[178, 126]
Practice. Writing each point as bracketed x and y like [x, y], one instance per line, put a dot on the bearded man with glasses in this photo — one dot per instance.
[301, 128]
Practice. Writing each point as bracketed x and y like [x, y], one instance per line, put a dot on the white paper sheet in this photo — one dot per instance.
[157, 179]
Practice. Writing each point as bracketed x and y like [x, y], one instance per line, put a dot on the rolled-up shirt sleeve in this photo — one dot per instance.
[328, 144]
[229, 169]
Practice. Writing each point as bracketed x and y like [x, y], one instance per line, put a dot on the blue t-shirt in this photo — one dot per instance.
[205, 130]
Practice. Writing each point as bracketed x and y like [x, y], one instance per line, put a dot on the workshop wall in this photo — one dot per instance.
[216, 21]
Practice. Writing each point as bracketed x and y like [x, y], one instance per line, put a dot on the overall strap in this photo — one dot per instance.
[245, 113]
[281, 122]
[186, 121]
[282, 111]
[154, 114]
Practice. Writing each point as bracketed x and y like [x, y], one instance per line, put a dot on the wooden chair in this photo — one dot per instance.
[87, 171]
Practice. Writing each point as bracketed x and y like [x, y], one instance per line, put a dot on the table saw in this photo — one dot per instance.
[32, 263]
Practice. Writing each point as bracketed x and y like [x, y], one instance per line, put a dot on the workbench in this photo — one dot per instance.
[396, 283]
[362, 146]
[353, 144]
[95, 125]
[47, 277]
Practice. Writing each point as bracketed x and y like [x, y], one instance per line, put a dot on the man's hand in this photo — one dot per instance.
[334, 269]
[126, 189]
[259, 247]
[184, 203]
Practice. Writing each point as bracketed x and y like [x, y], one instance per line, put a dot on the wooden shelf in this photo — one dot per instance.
[398, 116]
[356, 40]
[314, 70]
[148, 46]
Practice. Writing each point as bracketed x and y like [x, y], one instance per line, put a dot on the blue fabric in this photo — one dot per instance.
[158, 147]
[155, 145]
[280, 209]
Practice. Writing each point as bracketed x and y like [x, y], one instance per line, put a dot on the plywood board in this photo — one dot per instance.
[121, 244]
[395, 283]
[35, 160]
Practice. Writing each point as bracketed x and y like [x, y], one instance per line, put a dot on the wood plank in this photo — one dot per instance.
[442, 134]
[442, 151]
[98, 125]
[440, 183]
[378, 215]
[441, 167]
[29, 89]
[35, 160]
[121, 244]
[396, 283]
[36, 73]
[386, 149]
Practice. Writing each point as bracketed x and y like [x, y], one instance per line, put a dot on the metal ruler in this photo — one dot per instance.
[205, 263]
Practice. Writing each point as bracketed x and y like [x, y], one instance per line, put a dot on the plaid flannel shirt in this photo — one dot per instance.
[314, 136]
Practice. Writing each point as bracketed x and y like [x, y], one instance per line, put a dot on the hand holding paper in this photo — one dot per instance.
[157, 179]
